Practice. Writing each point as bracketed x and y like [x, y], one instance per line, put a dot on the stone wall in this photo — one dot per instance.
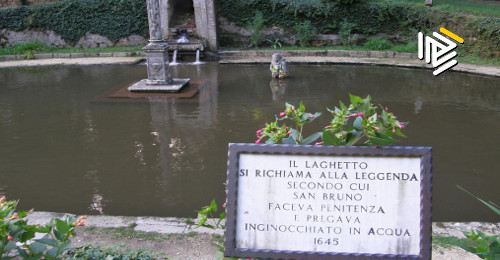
[9, 38]
[14, 3]
[232, 35]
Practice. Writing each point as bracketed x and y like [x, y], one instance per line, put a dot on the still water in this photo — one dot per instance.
[66, 147]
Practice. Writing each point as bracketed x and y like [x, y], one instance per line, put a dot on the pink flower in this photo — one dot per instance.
[10, 238]
[401, 127]
[259, 132]
[376, 128]
[311, 117]
[354, 115]
[258, 141]
[328, 127]
[191, 26]
[282, 114]
[289, 133]
[394, 130]
[318, 143]
[224, 205]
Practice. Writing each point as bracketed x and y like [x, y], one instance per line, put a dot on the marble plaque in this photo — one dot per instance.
[314, 202]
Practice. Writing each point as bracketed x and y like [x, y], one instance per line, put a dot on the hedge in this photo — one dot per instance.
[71, 19]
[115, 19]
[368, 17]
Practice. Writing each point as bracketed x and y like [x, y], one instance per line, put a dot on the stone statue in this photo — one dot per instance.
[278, 67]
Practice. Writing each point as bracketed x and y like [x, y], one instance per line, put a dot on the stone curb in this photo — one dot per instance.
[397, 61]
[71, 61]
[315, 53]
[74, 55]
[169, 225]
[145, 224]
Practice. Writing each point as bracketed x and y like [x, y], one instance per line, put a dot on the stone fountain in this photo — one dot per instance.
[159, 79]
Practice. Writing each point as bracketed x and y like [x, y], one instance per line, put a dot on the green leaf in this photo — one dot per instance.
[222, 216]
[270, 141]
[329, 138]
[295, 134]
[342, 106]
[353, 137]
[43, 229]
[50, 242]
[302, 108]
[22, 253]
[62, 226]
[201, 219]
[37, 248]
[385, 119]
[358, 123]
[399, 132]
[355, 100]
[63, 247]
[213, 206]
[220, 254]
[52, 252]
[490, 205]
[58, 235]
[381, 141]
[9, 246]
[288, 140]
[311, 138]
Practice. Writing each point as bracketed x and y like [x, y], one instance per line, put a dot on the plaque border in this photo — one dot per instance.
[235, 149]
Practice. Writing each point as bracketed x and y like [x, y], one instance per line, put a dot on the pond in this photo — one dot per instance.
[67, 147]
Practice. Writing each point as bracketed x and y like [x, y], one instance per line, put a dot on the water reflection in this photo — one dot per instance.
[63, 149]
[278, 88]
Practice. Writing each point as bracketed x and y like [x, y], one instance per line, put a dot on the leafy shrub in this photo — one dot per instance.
[16, 236]
[115, 253]
[347, 2]
[27, 50]
[369, 17]
[379, 45]
[255, 27]
[480, 244]
[305, 31]
[345, 33]
[360, 123]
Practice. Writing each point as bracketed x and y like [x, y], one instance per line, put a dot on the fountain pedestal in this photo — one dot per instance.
[159, 79]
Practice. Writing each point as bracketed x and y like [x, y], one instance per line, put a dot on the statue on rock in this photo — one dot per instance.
[278, 67]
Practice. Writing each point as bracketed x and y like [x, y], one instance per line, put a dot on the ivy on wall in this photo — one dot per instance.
[72, 19]
[368, 17]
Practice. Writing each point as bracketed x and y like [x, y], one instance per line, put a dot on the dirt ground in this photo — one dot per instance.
[174, 246]
[194, 246]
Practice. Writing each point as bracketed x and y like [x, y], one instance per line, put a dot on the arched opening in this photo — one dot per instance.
[183, 14]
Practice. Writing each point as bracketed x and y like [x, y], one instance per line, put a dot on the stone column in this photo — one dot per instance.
[206, 26]
[157, 49]
[428, 2]
[165, 19]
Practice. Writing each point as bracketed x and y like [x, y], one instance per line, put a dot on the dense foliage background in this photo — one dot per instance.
[71, 19]
[481, 34]
[120, 18]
